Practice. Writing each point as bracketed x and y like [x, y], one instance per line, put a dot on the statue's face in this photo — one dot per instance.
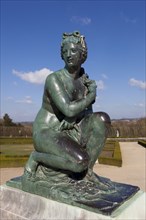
[71, 55]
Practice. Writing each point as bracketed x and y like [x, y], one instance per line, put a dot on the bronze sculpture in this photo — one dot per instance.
[66, 133]
[68, 138]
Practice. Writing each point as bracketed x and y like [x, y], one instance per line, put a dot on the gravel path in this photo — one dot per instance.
[131, 172]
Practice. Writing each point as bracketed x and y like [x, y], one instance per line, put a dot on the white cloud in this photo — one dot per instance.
[104, 76]
[100, 85]
[26, 100]
[141, 105]
[127, 19]
[36, 77]
[138, 83]
[9, 98]
[81, 20]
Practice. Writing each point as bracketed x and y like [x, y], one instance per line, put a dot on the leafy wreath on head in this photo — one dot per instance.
[78, 39]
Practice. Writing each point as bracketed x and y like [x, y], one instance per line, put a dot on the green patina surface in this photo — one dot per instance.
[68, 138]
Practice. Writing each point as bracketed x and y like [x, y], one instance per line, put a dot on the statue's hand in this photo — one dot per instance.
[91, 85]
[67, 124]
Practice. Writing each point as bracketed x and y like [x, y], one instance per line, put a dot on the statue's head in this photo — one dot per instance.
[77, 39]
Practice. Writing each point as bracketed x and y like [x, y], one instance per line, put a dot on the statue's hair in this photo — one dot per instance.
[75, 38]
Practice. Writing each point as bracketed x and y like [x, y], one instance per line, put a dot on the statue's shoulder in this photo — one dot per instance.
[54, 77]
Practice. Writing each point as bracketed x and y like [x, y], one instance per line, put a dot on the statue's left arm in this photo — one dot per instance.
[60, 98]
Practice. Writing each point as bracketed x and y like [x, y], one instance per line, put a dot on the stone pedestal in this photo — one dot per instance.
[18, 205]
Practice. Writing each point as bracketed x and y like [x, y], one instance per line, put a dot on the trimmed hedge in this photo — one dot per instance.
[142, 143]
[13, 161]
[15, 140]
[16, 156]
[111, 154]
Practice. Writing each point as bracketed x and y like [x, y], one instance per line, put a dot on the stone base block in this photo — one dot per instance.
[20, 205]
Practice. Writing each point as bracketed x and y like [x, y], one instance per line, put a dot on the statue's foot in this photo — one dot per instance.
[29, 175]
[102, 183]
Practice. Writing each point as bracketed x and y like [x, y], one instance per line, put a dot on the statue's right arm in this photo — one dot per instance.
[61, 99]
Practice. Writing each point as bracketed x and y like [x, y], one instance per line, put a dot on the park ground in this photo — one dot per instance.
[133, 170]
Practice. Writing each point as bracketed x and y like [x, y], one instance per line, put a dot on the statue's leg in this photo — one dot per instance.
[57, 150]
[94, 132]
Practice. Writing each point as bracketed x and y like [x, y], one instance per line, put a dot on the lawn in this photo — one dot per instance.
[14, 155]
[15, 140]
[14, 152]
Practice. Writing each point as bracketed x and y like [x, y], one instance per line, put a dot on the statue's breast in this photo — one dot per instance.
[79, 90]
[75, 89]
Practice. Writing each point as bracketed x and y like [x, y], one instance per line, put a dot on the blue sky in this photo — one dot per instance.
[31, 33]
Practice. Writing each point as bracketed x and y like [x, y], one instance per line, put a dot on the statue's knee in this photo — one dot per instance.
[82, 163]
[104, 117]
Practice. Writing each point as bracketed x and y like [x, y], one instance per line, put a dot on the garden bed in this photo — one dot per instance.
[14, 155]
[16, 140]
[14, 152]
[142, 143]
[111, 154]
